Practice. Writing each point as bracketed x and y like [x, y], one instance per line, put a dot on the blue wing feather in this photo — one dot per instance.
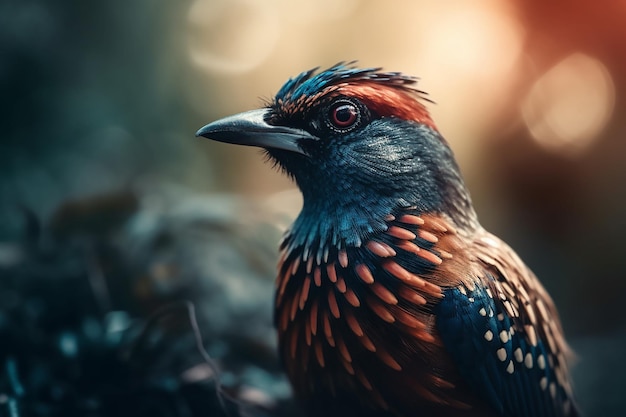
[495, 358]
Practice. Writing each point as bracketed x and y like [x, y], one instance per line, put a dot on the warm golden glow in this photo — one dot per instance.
[304, 12]
[232, 35]
[569, 105]
[468, 65]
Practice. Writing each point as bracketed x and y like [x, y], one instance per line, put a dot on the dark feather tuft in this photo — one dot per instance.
[309, 82]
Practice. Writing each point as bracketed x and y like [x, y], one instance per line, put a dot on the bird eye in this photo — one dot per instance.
[343, 115]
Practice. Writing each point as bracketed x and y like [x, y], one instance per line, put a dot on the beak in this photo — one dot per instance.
[251, 129]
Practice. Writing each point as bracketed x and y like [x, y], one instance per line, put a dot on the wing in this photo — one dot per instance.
[504, 334]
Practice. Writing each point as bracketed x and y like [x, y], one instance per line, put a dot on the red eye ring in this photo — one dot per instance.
[343, 115]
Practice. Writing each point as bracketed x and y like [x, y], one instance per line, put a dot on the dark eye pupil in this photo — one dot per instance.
[344, 115]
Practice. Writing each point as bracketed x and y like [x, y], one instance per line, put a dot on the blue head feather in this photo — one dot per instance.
[308, 83]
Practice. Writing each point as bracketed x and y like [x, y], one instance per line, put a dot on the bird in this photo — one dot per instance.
[391, 299]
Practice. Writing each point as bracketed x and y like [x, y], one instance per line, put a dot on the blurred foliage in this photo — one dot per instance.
[113, 318]
[91, 100]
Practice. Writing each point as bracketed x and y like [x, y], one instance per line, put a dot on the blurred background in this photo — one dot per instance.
[103, 181]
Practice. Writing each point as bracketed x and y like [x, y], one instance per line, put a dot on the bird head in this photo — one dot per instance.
[359, 143]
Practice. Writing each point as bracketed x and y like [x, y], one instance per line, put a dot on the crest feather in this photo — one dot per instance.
[311, 82]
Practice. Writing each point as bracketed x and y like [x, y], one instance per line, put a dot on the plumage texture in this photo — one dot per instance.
[391, 298]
